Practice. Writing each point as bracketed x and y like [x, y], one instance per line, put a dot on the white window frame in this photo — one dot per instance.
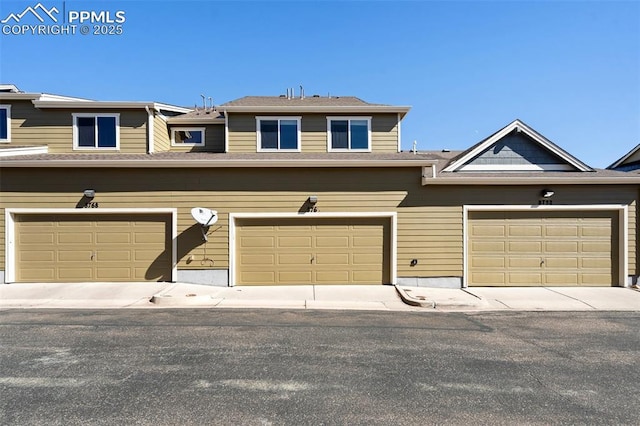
[348, 119]
[187, 129]
[298, 120]
[8, 109]
[76, 147]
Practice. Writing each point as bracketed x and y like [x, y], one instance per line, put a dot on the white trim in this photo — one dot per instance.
[399, 133]
[23, 150]
[515, 167]
[11, 88]
[623, 233]
[10, 234]
[187, 129]
[76, 115]
[8, 109]
[89, 104]
[393, 216]
[521, 127]
[297, 119]
[348, 119]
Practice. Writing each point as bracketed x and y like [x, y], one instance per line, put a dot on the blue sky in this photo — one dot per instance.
[571, 70]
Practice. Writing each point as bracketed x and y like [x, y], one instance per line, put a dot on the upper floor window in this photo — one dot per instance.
[278, 133]
[349, 133]
[5, 123]
[96, 131]
[192, 136]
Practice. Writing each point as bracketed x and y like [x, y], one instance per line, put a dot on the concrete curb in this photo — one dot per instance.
[187, 300]
[443, 299]
[417, 300]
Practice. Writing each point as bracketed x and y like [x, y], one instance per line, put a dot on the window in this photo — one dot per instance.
[349, 133]
[278, 133]
[191, 136]
[96, 131]
[5, 123]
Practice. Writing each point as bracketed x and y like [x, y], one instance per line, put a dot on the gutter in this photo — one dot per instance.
[507, 180]
[107, 104]
[362, 109]
[23, 150]
[227, 163]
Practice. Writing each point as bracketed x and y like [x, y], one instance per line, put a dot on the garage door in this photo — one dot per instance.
[313, 251]
[542, 249]
[100, 247]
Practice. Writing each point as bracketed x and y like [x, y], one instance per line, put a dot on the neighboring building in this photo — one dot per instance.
[307, 190]
[630, 162]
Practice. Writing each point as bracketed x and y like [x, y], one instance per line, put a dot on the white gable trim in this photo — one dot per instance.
[520, 126]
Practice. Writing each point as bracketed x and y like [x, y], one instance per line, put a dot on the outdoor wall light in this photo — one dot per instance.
[313, 199]
[89, 193]
[547, 193]
[414, 262]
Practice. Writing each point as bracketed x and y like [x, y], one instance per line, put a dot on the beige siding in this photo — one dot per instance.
[214, 139]
[430, 219]
[54, 127]
[384, 132]
[162, 142]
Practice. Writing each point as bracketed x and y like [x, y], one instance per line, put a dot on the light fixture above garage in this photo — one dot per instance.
[547, 193]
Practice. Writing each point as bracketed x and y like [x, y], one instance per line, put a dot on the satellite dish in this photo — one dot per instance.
[204, 216]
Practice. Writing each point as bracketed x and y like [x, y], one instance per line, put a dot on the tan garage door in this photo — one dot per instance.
[543, 249]
[313, 251]
[95, 247]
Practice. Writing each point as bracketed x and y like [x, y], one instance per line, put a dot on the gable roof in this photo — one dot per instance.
[629, 159]
[315, 103]
[545, 145]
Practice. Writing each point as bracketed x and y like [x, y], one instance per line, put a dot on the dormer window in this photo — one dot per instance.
[5, 123]
[187, 136]
[278, 133]
[349, 134]
[96, 131]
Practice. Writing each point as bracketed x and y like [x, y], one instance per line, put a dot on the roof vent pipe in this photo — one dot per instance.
[301, 92]
[204, 103]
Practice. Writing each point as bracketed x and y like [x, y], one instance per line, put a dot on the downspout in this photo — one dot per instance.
[151, 142]
[226, 130]
[399, 133]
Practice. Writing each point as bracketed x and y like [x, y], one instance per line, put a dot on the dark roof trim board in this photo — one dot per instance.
[459, 163]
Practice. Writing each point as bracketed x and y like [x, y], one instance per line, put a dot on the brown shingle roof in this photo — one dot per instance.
[307, 101]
